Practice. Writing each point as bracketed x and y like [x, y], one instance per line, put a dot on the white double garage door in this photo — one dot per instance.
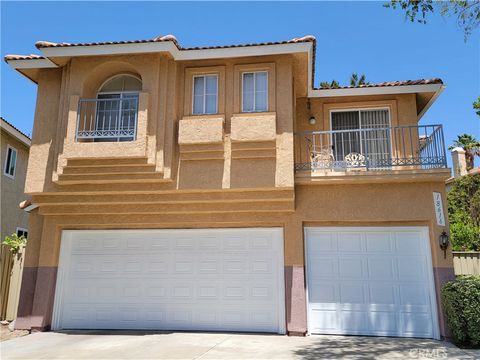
[365, 281]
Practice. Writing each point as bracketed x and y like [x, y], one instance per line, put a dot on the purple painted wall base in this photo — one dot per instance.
[36, 298]
[295, 300]
[25, 303]
[441, 276]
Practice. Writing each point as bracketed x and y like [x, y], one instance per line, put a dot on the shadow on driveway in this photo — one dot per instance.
[365, 347]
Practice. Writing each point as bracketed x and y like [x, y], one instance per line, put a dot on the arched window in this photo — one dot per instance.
[117, 107]
[120, 84]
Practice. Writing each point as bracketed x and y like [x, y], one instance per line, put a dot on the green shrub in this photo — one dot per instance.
[15, 243]
[464, 213]
[461, 301]
[466, 237]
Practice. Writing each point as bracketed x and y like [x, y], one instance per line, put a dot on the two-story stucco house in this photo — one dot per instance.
[15, 147]
[217, 189]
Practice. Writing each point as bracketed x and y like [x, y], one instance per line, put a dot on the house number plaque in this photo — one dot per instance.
[437, 203]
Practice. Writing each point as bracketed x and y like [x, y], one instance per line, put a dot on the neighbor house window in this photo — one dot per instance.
[205, 94]
[10, 162]
[22, 232]
[255, 91]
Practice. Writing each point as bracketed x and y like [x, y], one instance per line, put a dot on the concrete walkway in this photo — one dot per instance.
[178, 345]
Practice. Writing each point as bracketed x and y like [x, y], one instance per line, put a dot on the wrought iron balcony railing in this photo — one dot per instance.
[382, 148]
[113, 118]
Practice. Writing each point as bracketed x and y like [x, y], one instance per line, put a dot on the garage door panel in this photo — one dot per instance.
[355, 322]
[411, 323]
[408, 243]
[380, 268]
[378, 242]
[350, 267]
[411, 267]
[352, 294]
[325, 267]
[384, 322]
[350, 242]
[382, 294]
[366, 281]
[321, 292]
[215, 279]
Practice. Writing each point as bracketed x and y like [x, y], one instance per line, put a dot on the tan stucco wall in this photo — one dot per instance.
[403, 109]
[167, 93]
[12, 190]
[393, 204]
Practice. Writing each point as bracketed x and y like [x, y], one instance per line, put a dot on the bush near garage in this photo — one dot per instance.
[464, 213]
[461, 301]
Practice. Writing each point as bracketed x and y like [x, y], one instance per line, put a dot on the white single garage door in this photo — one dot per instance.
[370, 281]
[208, 279]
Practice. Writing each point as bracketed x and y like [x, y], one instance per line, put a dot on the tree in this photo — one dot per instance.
[330, 85]
[463, 212]
[476, 106]
[471, 146]
[467, 12]
[356, 81]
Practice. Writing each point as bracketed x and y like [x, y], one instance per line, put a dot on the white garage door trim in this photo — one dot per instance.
[68, 237]
[426, 248]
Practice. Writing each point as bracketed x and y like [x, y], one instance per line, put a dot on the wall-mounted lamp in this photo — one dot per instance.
[443, 241]
[311, 120]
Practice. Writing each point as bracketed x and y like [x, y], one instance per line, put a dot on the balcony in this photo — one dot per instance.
[373, 149]
[107, 119]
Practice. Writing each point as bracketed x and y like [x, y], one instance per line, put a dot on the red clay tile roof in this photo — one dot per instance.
[9, 123]
[47, 44]
[23, 57]
[392, 83]
[308, 38]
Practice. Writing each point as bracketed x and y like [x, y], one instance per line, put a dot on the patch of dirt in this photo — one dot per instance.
[6, 334]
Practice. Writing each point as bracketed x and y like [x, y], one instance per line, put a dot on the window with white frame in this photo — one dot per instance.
[205, 94]
[10, 162]
[22, 232]
[255, 91]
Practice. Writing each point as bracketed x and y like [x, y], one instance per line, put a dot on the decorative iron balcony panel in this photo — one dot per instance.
[379, 148]
[108, 119]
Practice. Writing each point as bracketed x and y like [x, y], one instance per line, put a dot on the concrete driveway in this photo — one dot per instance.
[178, 345]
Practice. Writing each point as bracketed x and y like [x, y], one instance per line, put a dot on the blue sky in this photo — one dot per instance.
[358, 37]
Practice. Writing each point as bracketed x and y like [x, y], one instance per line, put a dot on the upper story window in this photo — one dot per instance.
[10, 162]
[112, 116]
[255, 91]
[205, 94]
[22, 232]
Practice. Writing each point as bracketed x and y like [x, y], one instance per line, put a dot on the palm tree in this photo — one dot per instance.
[357, 81]
[471, 146]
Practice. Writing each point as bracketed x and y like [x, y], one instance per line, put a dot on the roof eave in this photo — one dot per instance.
[375, 90]
[155, 47]
[15, 133]
[431, 101]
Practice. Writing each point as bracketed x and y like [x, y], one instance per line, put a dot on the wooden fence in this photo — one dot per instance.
[466, 262]
[11, 268]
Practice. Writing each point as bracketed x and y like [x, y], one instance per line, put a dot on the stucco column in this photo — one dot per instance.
[459, 162]
[295, 294]
[44, 294]
[30, 270]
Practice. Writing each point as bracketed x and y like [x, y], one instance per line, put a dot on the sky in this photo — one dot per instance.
[362, 37]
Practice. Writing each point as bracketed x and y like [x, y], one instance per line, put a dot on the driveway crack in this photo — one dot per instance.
[214, 346]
